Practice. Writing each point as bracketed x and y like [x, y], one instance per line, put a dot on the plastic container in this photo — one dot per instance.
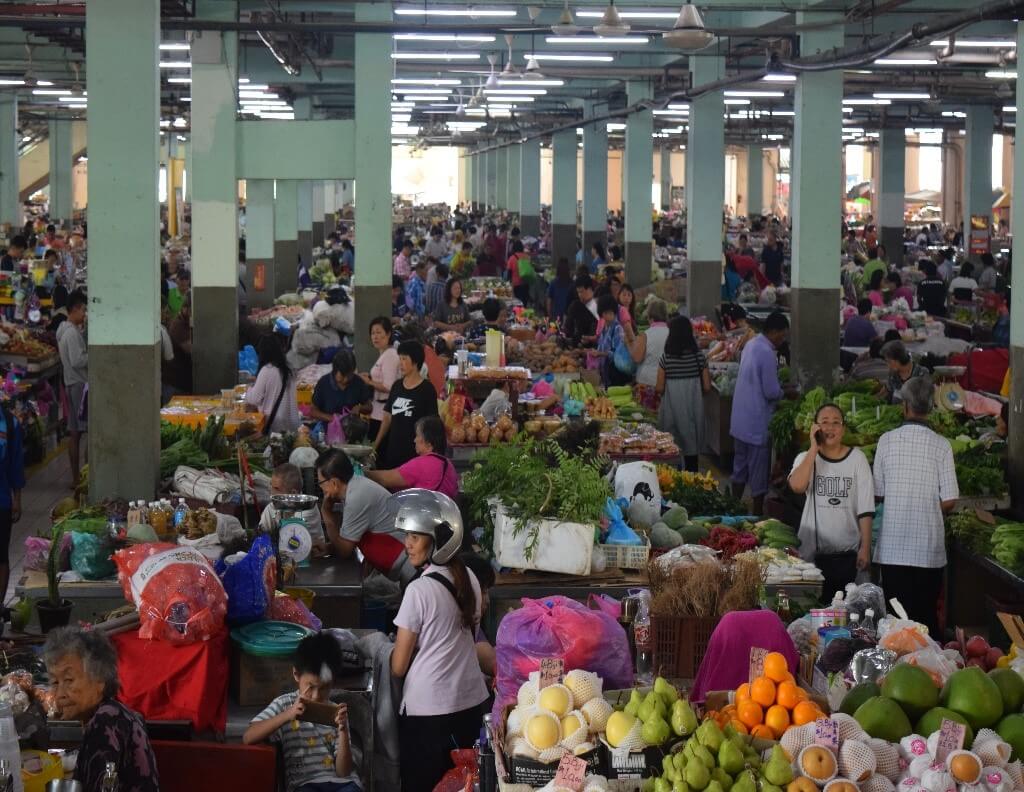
[561, 546]
[9, 749]
[270, 638]
[680, 643]
[180, 513]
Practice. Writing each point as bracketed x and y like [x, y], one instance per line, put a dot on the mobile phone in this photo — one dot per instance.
[819, 437]
[322, 712]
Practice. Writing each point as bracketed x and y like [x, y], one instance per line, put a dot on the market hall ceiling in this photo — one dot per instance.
[498, 69]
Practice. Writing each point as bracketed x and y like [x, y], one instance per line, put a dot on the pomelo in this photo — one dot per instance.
[912, 688]
[857, 695]
[931, 722]
[1011, 729]
[972, 693]
[1011, 687]
[883, 718]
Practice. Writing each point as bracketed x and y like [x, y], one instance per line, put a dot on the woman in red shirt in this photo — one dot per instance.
[520, 288]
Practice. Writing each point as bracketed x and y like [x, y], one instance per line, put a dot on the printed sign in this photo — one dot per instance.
[571, 772]
[757, 656]
[259, 277]
[826, 732]
[951, 738]
[551, 669]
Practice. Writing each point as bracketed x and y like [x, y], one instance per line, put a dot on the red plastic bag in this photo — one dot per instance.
[289, 609]
[179, 596]
[559, 627]
[461, 777]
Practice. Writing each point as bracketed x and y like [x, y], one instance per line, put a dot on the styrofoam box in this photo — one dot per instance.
[561, 547]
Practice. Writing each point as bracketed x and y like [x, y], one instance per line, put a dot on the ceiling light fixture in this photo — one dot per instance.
[457, 12]
[688, 33]
[6, 81]
[629, 14]
[1004, 91]
[51, 92]
[905, 62]
[785, 78]
[492, 78]
[180, 80]
[978, 44]
[565, 25]
[1001, 75]
[736, 101]
[571, 58]
[441, 37]
[757, 94]
[175, 46]
[867, 102]
[516, 91]
[175, 64]
[611, 23]
[424, 91]
[596, 39]
[535, 82]
[532, 66]
[902, 95]
[418, 81]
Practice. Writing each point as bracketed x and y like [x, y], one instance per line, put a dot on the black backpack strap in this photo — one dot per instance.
[443, 581]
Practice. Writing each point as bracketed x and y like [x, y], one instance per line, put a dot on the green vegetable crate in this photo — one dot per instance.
[680, 643]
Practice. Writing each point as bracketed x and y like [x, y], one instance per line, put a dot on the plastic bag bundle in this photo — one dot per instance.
[37, 553]
[179, 597]
[289, 609]
[561, 628]
[867, 595]
[463, 775]
[250, 583]
[903, 636]
[90, 556]
[939, 663]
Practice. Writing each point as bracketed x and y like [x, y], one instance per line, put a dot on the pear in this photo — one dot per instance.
[688, 748]
[697, 776]
[648, 784]
[722, 777]
[702, 754]
[668, 768]
[778, 770]
[709, 734]
[684, 719]
[655, 730]
[661, 785]
[679, 759]
[730, 758]
[680, 786]
[770, 788]
[745, 782]
[713, 786]
[635, 700]
[652, 703]
[665, 689]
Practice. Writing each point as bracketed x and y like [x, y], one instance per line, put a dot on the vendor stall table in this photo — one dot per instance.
[717, 422]
[195, 411]
[977, 584]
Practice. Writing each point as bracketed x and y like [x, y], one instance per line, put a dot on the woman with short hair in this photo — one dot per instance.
[82, 665]
[429, 469]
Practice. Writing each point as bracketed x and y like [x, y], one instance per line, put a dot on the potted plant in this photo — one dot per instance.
[53, 611]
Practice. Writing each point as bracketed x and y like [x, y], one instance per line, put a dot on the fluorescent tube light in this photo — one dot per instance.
[445, 56]
[902, 96]
[175, 46]
[572, 58]
[549, 83]
[180, 80]
[736, 101]
[1006, 109]
[457, 12]
[630, 14]
[905, 62]
[6, 81]
[516, 91]
[978, 44]
[757, 94]
[428, 81]
[876, 102]
[783, 78]
[615, 127]
[441, 37]
[256, 95]
[416, 91]
[42, 83]
[175, 64]
[511, 99]
[51, 92]
[596, 40]
[70, 98]
[1001, 75]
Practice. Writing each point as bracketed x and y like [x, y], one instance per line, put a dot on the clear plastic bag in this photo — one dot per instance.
[903, 636]
[37, 553]
[939, 663]
[289, 609]
[867, 595]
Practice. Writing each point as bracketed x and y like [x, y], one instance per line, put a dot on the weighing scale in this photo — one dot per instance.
[291, 535]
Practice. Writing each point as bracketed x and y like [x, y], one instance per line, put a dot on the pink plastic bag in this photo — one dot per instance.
[559, 627]
[606, 604]
[37, 553]
[335, 433]
[289, 609]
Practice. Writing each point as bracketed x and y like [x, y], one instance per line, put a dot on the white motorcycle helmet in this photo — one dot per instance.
[433, 514]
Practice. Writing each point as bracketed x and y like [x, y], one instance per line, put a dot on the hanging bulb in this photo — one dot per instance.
[611, 23]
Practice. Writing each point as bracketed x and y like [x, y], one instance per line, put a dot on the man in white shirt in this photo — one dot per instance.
[916, 480]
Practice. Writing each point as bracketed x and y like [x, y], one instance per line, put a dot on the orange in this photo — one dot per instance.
[805, 712]
[743, 693]
[762, 690]
[762, 731]
[788, 678]
[775, 666]
[739, 726]
[787, 695]
[750, 713]
[777, 719]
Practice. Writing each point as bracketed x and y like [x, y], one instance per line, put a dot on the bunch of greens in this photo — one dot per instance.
[945, 423]
[971, 531]
[184, 452]
[703, 501]
[781, 425]
[979, 472]
[209, 437]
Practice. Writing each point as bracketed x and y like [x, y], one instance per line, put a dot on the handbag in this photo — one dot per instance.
[622, 358]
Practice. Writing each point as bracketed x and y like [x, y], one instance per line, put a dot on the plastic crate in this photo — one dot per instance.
[680, 643]
[626, 556]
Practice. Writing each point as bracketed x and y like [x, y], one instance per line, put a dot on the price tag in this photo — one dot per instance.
[951, 738]
[551, 669]
[757, 656]
[571, 772]
[826, 732]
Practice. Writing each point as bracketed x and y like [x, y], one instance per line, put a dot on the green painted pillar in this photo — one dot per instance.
[124, 290]
[470, 159]
[1015, 438]
[513, 161]
[501, 177]
[481, 181]
[563, 196]
[60, 170]
[304, 192]
[259, 242]
[705, 190]
[214, 202]
[491, 158]
[816, 206]
[529, 187]
[639, 157]
[977, 167]
[595, 180]
[286, 235]
[892, 147]
[10, 205]
[755, 181]
[318, 214]
[373, 177]
[330, 204]
[666, 177]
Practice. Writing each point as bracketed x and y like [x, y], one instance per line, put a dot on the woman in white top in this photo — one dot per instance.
[435, 649]
[273, 393]
[384, 372]
[964, 280]
[647, 351]
[835, 529]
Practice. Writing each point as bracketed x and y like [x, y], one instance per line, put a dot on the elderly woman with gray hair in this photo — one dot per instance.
[916, 480]
[83, 675]
[647, 350]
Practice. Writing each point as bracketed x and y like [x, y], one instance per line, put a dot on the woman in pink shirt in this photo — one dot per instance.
[429, 469]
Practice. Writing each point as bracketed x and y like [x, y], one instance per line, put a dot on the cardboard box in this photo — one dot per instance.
[256, 681]
[637, 764]
[532, 772]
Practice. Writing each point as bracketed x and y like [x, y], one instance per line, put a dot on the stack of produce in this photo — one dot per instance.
[637, 440]
[476, 430]
[727, 541]
[782, 568]
[1008, 546]
[971, 531]
[775, 534]
[979, 472]
[771, 704]
[19, 341]
[653, 719]
[198, 523]
[545, 358]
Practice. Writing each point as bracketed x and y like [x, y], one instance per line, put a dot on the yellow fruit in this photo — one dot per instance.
[556, 699]
[619, 724]
[570, 725]
[542, 732]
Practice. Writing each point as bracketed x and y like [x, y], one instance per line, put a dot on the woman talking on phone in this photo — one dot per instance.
[835, 528]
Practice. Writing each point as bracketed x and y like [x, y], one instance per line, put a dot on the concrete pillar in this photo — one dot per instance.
[10, 205]
[501, 177]
[705, 190]
[816, 208]
[479, 181]
[529, 187]
[513, 162]
[60, 170]
[469, 163]
[977, 168]
[595, 181]
[639, 172]
[892, 151]
[373, 177]
[491, 178]
[563, 196]
[259, 243]
[124, 246]
[318, 214]
[1015, 438]
[214, 203]
[304, 212]
[755, 181]
[330, 205]
[665, 178]
[286, 235]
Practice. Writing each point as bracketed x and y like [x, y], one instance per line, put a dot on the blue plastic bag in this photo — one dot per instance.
[250, 583]
[618, 532]
[247, 360]
[90, 556]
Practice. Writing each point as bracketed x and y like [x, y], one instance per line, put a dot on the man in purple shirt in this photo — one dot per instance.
[859, 331]
[757, 390]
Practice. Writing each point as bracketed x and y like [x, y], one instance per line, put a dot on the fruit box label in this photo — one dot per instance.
[756, 669]
[826, 732]
[951, 738]
[551, 669]
[570, 773]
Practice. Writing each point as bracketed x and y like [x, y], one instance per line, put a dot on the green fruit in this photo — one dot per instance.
[668, 768]
[745, 782]
[679, 761]
[648, 707]
[931, 722]
[1011, 729]
[704, 756]
[770, 788]
[972, 693]
[883, 718]
[696, 775]
[778, 770]
[635, 700]
[912, 688]
[730, 758]
[722, 777]
[710, 734]
[661, 785]
[1011, 687]
[713, 786]
[664, 689]
[655, 731]
[680, 786]
[857, 695]
[683, 719]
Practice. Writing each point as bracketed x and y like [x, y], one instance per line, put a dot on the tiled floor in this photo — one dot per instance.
[46, 486]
